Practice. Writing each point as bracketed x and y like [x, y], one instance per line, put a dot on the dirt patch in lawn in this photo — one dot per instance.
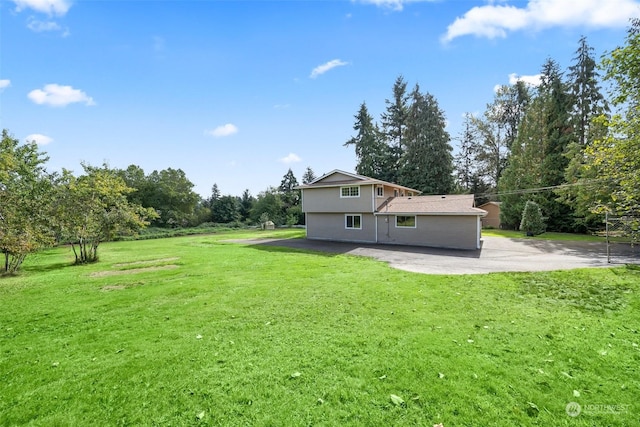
[121, 286]
[150, 261]
[108, 273]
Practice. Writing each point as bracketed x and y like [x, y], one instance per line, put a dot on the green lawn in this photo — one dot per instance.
[199, 331]
[550, 235]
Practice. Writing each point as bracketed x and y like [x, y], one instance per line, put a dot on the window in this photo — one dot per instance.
[353, 222]
[406, 221]
[380, 191]
[350, 191]
[395, 192]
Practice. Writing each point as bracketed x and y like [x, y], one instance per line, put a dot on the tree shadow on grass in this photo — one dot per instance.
[43, 268]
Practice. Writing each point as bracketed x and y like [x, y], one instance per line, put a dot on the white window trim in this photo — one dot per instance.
[415, 221]
[379, 187]
[352, 215]
[350, 196]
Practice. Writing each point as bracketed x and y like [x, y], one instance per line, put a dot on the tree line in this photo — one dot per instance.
[562, 144]
[40, 209]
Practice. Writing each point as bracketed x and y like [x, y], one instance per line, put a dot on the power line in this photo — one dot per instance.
[540, 189]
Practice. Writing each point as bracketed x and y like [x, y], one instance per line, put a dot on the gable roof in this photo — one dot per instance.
[337, 178]
[450, 204]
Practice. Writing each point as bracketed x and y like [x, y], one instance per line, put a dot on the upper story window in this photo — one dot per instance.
[395, 192]
[380, 191]
[353, 191]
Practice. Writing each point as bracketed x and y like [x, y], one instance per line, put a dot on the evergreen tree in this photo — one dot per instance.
[309, 176]
[588, 104]
[226, 210]
[290, 195]
[427, 162]
[215, 195]
[588, 101]
[532, 221]
[559, 135]
[394, 125]
[371, 151]
[524, 170]
[246, 203]
[465, 159]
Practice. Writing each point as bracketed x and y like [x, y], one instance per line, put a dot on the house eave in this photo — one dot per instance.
[434, 213]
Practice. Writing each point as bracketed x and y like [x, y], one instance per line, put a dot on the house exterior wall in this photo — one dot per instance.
[331, 226]
[493, 215]
[446, 231]
[336, 177]
[327, 199]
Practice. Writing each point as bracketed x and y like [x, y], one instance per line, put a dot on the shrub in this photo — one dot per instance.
[532, 222]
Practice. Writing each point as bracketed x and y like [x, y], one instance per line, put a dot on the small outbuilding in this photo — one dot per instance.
[492, 220]
[269, 225]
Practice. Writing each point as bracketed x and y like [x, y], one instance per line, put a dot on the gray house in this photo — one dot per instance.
[343, 206]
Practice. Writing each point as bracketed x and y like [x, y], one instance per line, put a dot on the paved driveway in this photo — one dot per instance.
[498, 254]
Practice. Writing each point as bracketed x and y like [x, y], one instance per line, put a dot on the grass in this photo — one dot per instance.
[514, 234]
[237, 335]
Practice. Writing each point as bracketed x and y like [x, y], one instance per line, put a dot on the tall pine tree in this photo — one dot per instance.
[394, 125]
[427, 162]
[371, 151]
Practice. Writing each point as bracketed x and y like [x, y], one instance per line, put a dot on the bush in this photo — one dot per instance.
[532, 222]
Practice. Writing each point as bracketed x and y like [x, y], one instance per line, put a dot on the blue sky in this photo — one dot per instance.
[236, 92]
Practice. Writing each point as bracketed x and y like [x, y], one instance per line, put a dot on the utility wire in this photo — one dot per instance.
[540, 189]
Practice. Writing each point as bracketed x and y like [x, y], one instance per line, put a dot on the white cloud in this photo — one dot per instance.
[41, 26]
[224, 130]
[50, 7]
[534, 80]
[492, 20]
[291, 158]
[59, 96]
[39, 139]
[321, 69]
[391, 4]
[4, 83]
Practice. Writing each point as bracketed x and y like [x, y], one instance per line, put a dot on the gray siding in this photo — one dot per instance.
[330, 226]
[336, 177]
[327, 199]
[447, 231]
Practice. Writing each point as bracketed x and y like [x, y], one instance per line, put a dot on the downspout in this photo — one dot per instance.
[373, 209]
[306, 219]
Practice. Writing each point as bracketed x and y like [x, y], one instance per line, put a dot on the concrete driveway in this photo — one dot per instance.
[498, 254]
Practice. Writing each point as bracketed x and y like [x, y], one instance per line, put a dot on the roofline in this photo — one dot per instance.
[483, 213]
[353, 175]
[369, 180]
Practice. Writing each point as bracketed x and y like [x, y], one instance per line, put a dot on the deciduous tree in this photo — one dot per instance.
[25, 201]
[93, 208]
